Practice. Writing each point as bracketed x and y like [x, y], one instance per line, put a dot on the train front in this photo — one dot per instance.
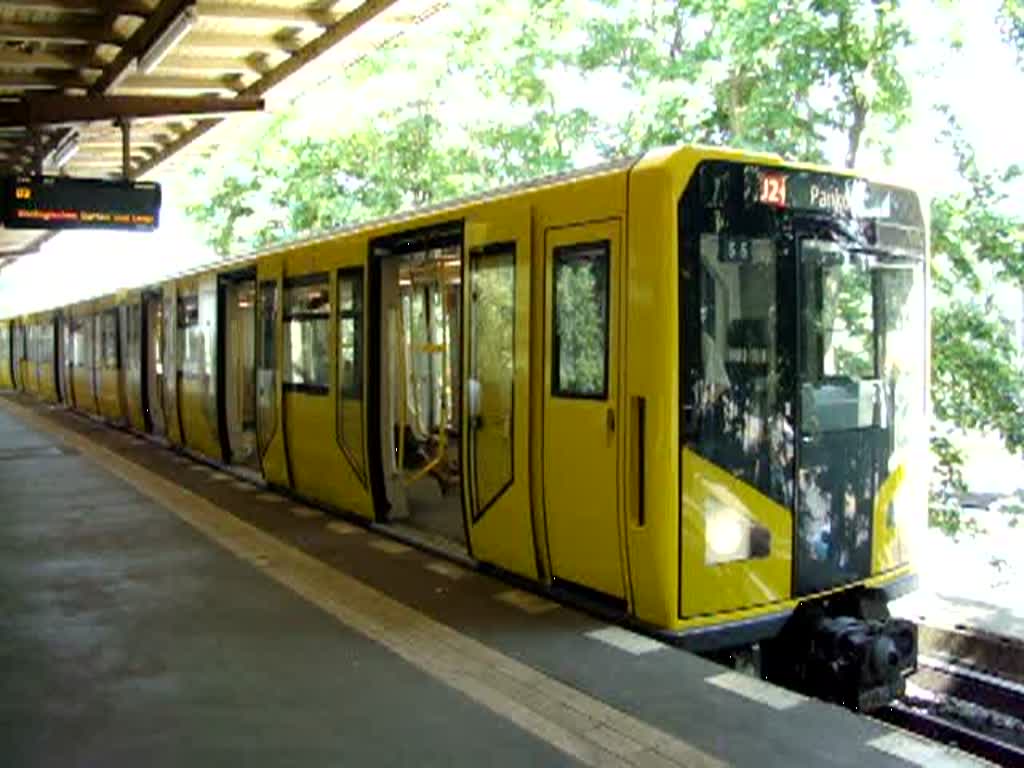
[803, 392]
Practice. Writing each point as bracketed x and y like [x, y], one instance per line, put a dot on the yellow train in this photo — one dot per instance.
[688, 387]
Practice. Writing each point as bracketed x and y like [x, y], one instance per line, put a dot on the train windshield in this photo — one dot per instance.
[803, 347]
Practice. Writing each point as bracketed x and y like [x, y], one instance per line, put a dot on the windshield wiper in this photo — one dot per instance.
[887, 256]
[856, 243]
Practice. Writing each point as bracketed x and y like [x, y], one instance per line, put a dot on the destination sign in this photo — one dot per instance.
[809, 191]
[56, 202]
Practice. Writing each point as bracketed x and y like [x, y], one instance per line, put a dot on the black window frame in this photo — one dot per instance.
[267, 359]
[476, 255]
[188, 310]
[354, 454]
[565, 254]
[354, 274]
[317, 278]
[105, 356]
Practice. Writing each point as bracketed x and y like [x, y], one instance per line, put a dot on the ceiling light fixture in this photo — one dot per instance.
[63, 153]
[166, 40]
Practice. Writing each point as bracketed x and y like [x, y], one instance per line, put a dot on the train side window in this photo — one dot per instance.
[350, 366]
[307, 314]
[46, 343]
[77, 341]
[492, 367]
[188, 339]
[109, 339]
[580, 327]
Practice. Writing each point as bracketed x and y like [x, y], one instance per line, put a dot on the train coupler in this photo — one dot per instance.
[859, 659]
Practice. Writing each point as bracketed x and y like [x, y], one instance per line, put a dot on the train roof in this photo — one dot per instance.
[657, 156]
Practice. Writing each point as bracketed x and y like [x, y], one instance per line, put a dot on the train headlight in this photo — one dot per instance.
[730, 535]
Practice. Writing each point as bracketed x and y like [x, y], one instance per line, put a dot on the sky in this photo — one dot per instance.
[980, 82]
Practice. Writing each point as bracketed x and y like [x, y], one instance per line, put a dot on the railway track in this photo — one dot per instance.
[977, 712]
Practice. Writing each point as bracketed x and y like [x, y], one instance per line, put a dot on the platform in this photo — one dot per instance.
[157, 611]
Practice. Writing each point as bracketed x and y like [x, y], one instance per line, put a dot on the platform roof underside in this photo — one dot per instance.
[54, 52]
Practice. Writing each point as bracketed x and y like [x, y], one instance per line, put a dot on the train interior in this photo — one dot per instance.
[421, 322]
[239, 334]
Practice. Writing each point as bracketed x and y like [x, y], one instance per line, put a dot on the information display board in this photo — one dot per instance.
[57, 202]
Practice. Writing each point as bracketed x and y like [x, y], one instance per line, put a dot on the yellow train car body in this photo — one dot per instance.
[550, 329]
[6, 370]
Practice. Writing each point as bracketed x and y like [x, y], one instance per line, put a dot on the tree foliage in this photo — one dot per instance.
[778, 77]
[977, 371]
[520, 92]
[298, 186]
[782, 77]
[1011, 23]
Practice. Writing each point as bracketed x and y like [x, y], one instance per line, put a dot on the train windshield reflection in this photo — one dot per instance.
[803, 347]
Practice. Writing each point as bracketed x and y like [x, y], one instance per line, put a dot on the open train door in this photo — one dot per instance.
[270, 439]
[153, 355]
[172, 410]
[60, 356]
[496, 383]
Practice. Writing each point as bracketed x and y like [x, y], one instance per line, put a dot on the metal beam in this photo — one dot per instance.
[281, 15]
[337, 32]
[248, 43]
[93, 7]
[331, 37]
[104, 147]
[66, 32]
[156, 83]
[28, 81]
[111, 162]
[26, 152]
[33, 247]
[58, 109]
[178, 144]
[51, 59]
[220, 64]
[142, 38]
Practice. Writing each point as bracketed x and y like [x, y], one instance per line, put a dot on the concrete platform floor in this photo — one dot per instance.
[154, 610]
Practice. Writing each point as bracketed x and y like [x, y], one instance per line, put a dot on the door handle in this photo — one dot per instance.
[610, 418]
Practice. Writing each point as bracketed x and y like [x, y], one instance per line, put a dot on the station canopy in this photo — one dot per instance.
[81, 81]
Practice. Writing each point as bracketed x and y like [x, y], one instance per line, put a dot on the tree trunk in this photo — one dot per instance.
[860, 114]
[735, 107]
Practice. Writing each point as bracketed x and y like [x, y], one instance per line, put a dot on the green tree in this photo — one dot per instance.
[1011, 23]
[760, 74]
[977, 372]
[294, 187]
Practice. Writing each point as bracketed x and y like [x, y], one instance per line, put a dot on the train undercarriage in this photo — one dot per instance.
[845, 648]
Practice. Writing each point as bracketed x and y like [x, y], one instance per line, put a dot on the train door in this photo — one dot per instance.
[69, 358]
[127, 356]
[61, 337]
[96, 363]
[418, 278]
[76, 345]
[32, 358]
[133, 371]
[18, 354]
[270, 442]
[496, 383]
[35, 357]
[236, 325]
[581, 454]
[153, 362]
[5, 355]
[172, 412]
